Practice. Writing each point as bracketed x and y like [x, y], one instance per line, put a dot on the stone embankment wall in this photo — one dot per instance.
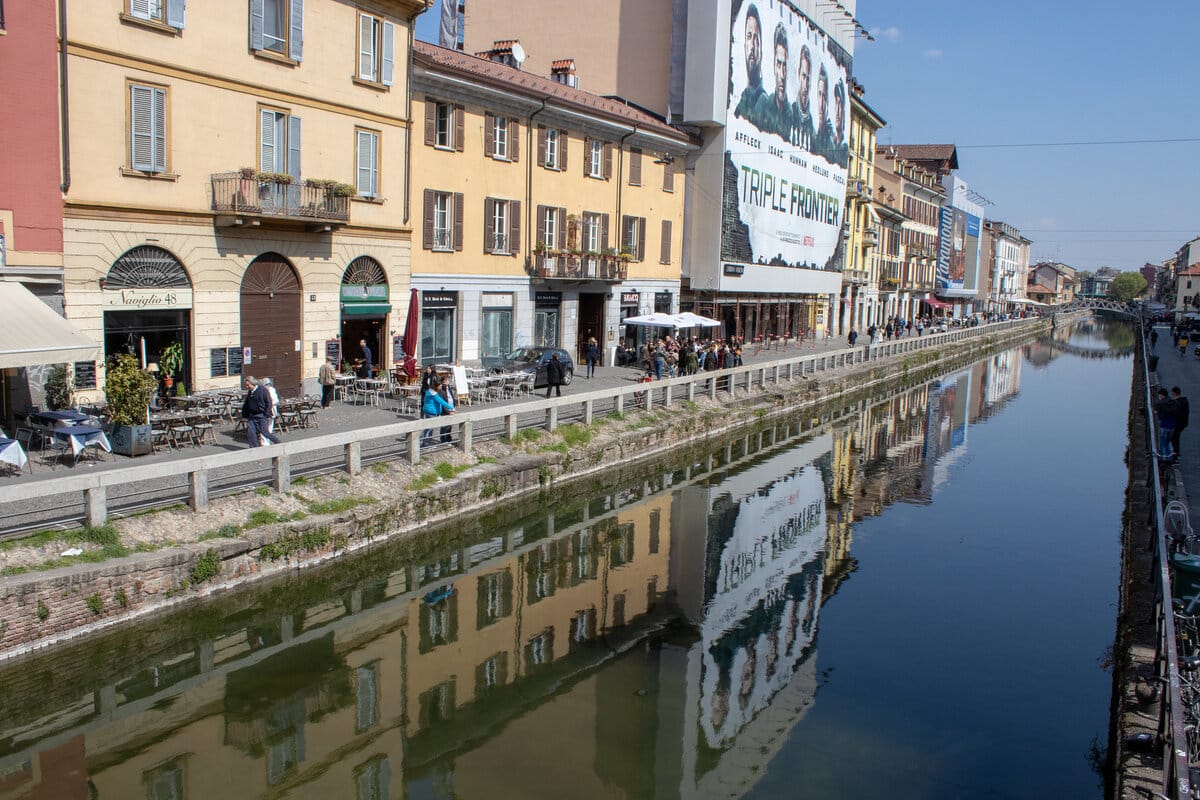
[42, 608]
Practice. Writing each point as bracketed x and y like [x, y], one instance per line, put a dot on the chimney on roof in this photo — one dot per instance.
[505, 51]
[563, 71]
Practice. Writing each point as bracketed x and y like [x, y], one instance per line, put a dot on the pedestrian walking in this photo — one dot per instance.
[432, 405]
[852, 337]
[1183, 343]
[591, 355]
[367, 370]
[1153, 337]
[554, 376]
[1182, 410]
[256, 410]
[447, 394]
[1164, 410]
[327, 377]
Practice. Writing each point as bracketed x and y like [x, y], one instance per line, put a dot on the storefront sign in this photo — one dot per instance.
[630, 298]
[734, 270]
[547, 298]
[439, 299]
[141, 299]
[362, 293]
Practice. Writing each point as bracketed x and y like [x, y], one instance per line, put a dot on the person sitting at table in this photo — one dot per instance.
[432, 405]
[256, 410]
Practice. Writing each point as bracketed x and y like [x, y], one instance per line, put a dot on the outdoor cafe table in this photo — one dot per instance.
[11, 452]
[82, 436]
[58, 418]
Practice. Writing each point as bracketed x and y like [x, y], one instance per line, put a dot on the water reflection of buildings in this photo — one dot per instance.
[663, 634]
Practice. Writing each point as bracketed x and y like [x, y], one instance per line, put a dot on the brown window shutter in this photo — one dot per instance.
[664, 252]
[603, 232]
[430, 123]
[458, 221]
[669, 176]
[541, 229]
[514, 140]
[562, 229]
[459, 126]
[635, 166]
[514, 226]
[563, 139]
[640, 255]
[624, 227]
[587, 157]
[607, 160]
[489, 134]
[541, 154]
[489, 238]
[427, 235]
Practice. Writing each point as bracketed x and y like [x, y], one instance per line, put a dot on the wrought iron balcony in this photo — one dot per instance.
[241, 200]
[579, 268]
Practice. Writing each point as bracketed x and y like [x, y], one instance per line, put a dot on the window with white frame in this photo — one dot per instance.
[596, 159]
[498, 225]
[444, 115]
[147, 128]
[550, 227]
[277, 26]
[279, 142]
[376, 49]
[491, 672]
[552, 149]
[367, 160]
[631, 237]
[500, 137]
[591, 232]
[442, 221]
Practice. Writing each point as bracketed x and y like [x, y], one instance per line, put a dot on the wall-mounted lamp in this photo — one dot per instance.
[665, 158]
[103, 282]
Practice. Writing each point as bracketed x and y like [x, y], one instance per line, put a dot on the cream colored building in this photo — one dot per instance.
[861, 303]
[544, 214]
[239, 182]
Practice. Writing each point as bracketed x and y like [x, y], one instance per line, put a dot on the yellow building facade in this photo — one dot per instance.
[860, 298]
[543, 215]
[238, 183]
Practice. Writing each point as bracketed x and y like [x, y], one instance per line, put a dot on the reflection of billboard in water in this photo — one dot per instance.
[786, 139]
[762, 590]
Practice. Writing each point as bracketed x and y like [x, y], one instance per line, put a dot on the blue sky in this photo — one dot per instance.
[1033, 72]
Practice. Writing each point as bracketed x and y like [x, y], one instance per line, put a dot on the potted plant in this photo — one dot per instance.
[128, 389]
[170, 362]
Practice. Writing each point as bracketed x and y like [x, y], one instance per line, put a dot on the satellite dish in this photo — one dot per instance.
[518, 54]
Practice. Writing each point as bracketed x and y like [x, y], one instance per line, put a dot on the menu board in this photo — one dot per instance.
[333, 352]
[235, 360]
[218, 363]
[398, 349]
[85, 374]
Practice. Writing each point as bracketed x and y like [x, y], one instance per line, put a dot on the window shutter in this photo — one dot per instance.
[635, 166]
[541, 154]
[458, 221]
[266, 145]
[293, 155]
[430, 123]
[139, 9]
[141, 133]
[587, 157]
[607, 160]
[562, 149]
[427, 221]
[664, 251]
[640, 255]
[458, 128]
[256, 24]
[160, 130]
[489, 134]
[296, 36]
[603, 232]
[562, 229]
[387, 66]
[489, 232]
[623, 239]
[514, 226]
[176, 13]
[514, 140]
[541, 228]
[366, 47]
[669, 176]
[366, 164]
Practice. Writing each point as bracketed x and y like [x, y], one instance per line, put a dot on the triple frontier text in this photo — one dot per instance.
[766, 190]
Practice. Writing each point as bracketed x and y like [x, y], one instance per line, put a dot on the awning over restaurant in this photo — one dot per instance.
[935, 303]
[366, 309]
[31, 333]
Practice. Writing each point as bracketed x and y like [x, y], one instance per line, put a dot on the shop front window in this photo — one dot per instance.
[545, 327]
[496, 337]
[437, 336]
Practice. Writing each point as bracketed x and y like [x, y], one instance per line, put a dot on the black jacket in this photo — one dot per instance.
[1182, 409]
[554, 372]
[257, 403]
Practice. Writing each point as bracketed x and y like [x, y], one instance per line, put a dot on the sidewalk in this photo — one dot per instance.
[1183, 371]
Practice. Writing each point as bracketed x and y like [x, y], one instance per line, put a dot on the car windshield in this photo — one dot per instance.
[525, 355]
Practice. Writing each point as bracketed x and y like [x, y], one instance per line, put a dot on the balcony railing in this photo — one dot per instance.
[571, 267]
[235, 197]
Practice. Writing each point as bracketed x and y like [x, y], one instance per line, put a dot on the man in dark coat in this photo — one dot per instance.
[554, 376]
[257, 411]
[1181, 419]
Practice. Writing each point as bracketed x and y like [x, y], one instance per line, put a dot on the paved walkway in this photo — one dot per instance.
[343, 416]
[1183, 371]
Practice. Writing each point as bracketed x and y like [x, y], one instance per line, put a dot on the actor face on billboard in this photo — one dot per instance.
[802, 122]
[805, 73]
[822, 97]
[823, 144]
[753, 48]
[781, 54]
[839, 112]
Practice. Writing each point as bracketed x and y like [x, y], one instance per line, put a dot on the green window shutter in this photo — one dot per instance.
[388, 58]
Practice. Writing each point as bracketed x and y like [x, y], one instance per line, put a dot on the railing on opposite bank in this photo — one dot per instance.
[253, 462]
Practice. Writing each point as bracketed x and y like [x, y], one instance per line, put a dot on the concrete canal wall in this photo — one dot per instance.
[43, 608]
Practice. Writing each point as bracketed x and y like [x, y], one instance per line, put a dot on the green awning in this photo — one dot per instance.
[366, 309]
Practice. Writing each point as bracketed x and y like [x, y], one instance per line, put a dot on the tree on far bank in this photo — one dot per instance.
[1126, 286]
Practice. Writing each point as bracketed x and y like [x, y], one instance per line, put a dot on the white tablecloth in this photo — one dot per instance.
[11, 452]
[93, 437]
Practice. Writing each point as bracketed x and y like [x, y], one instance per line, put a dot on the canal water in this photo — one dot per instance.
[914, 597]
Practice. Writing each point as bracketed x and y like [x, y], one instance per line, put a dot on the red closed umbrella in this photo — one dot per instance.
[411, 325]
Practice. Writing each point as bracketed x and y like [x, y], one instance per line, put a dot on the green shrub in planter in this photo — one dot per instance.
[58, 387]
[128, 389]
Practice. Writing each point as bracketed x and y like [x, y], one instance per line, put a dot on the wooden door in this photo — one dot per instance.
[271, 322]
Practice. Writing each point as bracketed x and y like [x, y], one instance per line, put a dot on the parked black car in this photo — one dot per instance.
[532, 359]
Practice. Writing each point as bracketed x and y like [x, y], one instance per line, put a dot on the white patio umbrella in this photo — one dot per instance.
[655, 320]
[687, 319]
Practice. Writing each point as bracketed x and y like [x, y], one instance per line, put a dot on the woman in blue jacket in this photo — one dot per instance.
[433, 405]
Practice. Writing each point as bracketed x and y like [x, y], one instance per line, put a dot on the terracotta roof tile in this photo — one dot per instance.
[1192, 269]
[926, 152]
[537, 86]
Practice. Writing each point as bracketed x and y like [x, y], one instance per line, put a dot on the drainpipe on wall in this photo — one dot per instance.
[412, 21]
[530, 157]
[63, 95]
[620, 173]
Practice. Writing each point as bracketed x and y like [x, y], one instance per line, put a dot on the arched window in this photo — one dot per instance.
[147, 267]
[364, 271]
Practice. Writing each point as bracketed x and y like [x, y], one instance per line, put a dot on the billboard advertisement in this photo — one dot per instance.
[786, 149]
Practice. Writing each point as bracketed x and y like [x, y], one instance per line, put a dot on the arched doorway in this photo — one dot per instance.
[147, 302]
[271, 322]
[365, 304]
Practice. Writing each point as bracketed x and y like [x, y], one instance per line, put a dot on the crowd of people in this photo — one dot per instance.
[669, 357]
